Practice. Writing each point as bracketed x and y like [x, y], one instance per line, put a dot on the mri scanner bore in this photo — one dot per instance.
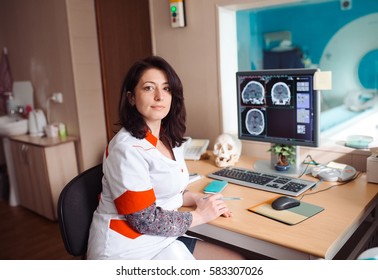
[357, 88]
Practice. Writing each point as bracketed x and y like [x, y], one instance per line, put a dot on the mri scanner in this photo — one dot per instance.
[354, 67]
[351, 55]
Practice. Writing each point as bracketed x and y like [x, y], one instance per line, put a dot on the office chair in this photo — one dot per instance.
[77, 202]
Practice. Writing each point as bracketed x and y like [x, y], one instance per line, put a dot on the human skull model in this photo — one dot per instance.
[227, 149]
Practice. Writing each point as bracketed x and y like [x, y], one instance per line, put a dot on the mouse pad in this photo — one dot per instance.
[290, 216]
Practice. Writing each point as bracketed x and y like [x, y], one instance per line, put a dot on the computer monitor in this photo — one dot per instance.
[278, 106]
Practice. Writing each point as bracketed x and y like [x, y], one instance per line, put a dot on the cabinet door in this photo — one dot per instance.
[62, 168]
[32, 178]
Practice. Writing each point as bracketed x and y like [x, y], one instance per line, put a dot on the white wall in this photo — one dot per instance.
[192, 51]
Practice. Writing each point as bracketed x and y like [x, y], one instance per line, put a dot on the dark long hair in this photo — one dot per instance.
[173, 125]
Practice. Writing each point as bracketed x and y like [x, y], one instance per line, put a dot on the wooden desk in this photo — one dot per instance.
[321, 236]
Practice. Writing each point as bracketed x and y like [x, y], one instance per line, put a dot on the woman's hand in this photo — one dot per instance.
[209, 208]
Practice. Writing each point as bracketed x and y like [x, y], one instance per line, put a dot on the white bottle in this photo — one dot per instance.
[10, 104]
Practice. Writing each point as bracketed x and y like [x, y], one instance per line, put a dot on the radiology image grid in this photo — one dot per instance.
[275, 106]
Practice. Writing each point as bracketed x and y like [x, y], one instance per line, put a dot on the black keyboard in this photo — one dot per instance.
[263, 181]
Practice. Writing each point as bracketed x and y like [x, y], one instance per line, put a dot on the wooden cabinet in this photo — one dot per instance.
[43, 167]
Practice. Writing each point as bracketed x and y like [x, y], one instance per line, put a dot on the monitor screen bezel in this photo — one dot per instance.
[315, 142]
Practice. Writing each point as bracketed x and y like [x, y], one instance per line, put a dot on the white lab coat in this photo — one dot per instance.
[136, 174]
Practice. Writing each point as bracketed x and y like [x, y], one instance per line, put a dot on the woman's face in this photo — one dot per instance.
[153, 96]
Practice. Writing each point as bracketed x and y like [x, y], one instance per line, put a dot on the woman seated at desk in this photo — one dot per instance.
[145, 177]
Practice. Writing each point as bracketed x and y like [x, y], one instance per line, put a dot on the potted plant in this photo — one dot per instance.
[285, 154]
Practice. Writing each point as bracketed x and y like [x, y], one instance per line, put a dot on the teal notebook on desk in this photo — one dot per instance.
[291, 216]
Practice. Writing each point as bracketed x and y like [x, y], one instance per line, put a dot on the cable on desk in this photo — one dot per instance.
[358, 174]
[312, 161]
[307, 163]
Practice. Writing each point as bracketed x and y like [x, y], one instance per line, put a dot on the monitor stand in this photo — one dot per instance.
[267, 166]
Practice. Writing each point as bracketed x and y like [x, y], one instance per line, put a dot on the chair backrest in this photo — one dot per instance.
[77, 202]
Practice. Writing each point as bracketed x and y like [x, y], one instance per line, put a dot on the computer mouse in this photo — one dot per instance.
[285, 202]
